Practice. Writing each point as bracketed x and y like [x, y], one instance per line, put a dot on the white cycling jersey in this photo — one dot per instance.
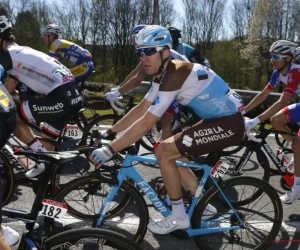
[37, 70]
[176, 56]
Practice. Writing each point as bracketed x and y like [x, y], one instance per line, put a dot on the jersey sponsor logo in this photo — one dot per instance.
[67, 79]
[58, 106]
[73, 47]
[220, 104]
[76, 100]
[187, 141]
[39, 74]
[204, 97]
[204, 136]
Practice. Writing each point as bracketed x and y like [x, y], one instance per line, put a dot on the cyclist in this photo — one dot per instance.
[297, 56]
[59, 48]
[44, 75]
[185, 49]
[8, 236]
[287, 72]
[193, 85]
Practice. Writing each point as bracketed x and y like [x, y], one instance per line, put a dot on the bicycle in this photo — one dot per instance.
[67, 240]
[234, 206]
[253, 145]
[294, 127]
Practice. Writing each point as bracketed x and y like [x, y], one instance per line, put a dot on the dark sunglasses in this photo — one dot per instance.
[277, 57]
[148, 51]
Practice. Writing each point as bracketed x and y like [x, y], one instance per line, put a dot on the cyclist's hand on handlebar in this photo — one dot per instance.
[251, 123]
[101, 155]
[112, 95]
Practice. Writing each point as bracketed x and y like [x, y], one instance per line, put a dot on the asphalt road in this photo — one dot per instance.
[288, 238]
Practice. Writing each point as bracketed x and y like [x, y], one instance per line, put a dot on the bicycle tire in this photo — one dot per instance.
[110, 119]
[85, 236]
[212, 196]
[8, 178]
[130, 191]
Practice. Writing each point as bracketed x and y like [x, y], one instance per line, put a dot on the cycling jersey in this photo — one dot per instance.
[203, 91]
[37, 70]
[209, 96]
[176, 56]
[71, 51]
[191, 54]
[81, 58]
[291, 79]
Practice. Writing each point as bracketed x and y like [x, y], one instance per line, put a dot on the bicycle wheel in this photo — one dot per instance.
[262, 216]
[87, 195]
[92, 238]
[100, 123]
[7, 177]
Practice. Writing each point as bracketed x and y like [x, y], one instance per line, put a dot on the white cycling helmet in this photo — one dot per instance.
[154, 36]
[52, 28]
[297, 55]
[5, 26]
[283, 47]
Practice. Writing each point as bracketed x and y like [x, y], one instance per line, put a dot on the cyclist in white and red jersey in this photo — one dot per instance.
[287, 72]
[193, 85]
[44, 75]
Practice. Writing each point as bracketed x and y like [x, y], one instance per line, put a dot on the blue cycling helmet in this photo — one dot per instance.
[136, 30]
[154, 36]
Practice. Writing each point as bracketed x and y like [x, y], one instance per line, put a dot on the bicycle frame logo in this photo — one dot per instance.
[144, 186]
[272, 155]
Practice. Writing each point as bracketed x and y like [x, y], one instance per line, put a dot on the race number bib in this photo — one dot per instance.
[73, 131]
[219, 169]
[53, 209]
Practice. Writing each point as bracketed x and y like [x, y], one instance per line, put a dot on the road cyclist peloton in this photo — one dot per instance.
[193, 85]
[184, 49]
[8, 236]
[280, 113]
[44, 75]
[80, 58]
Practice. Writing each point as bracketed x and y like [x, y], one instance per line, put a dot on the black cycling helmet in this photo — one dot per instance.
[175, 33]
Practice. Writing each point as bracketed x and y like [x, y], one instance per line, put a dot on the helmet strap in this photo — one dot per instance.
[161, 67]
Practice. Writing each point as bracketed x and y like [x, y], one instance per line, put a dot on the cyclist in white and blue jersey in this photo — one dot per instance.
[137, 76]
[184, 49]
[192, 85]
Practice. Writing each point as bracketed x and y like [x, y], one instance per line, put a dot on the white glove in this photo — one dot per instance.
[102, 155]
[251, 123]
[113, 95]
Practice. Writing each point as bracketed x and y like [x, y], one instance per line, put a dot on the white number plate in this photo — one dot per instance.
[53, 209]
[73, 131]
[219, 169]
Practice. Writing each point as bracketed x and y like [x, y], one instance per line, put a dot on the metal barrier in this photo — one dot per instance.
[247, 95]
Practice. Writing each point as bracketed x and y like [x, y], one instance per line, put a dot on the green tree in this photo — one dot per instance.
[27, 30]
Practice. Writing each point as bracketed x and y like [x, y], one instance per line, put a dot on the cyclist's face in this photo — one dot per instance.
[279, 60]
[151, 63]
[48, 38]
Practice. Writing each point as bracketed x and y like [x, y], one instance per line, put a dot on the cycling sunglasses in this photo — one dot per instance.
[148, 51]
[277, 57]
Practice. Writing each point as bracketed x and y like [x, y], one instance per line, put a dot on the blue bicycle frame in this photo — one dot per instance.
[129, 171]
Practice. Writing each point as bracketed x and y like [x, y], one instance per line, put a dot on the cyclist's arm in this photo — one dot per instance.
[133, 115]
[277, 106]
[133, 79]
[258, 99]
[11, 84]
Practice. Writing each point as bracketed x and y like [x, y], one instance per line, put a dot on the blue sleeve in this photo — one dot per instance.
[274, 78]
